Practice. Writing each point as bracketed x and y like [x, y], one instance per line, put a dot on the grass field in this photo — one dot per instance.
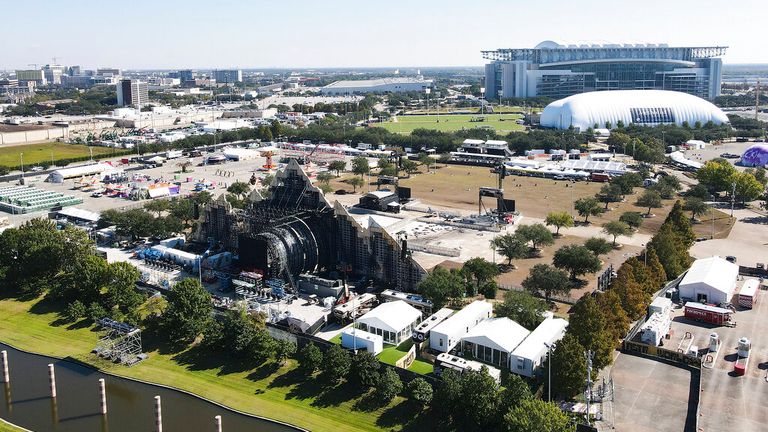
[5, 427]
[391, 354]
[44, 152]
[450, 123]
[267, 390]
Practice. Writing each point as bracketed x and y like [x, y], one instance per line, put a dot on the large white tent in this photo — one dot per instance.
[394, 321]
[709, 280]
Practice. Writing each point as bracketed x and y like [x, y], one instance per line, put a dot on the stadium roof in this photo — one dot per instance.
[644, 107]
[562, 44]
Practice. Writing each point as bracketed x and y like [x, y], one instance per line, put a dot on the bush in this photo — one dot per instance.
[75, 310]
[420, 391]
[389, 385]
[96, 311]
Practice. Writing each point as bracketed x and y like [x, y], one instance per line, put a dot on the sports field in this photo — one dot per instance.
[44, 152]
[501, 123]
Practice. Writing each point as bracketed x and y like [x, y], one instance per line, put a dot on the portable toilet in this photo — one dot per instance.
[714, 342]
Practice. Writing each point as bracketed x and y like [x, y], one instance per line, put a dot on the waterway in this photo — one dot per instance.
[26, 402]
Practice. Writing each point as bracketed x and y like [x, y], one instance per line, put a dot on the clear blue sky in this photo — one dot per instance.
[360, 33]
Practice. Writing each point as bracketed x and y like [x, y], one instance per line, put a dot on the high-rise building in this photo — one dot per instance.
[36, 75]
[228, 76]
[132, 93]
[186, 75]
[559, 69]
[53, 73]
[75, 71]
[108, 72]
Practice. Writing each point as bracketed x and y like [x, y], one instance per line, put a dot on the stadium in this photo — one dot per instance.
[641, 107]
[559, 69]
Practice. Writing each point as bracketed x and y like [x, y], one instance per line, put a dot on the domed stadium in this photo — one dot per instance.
[755, 156]
[642, 107]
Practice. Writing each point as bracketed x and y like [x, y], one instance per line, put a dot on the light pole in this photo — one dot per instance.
[482, 99]
[733, 196]
[21, 156]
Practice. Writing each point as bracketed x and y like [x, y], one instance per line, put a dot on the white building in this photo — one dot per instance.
[380, 85]
[641, 107]
[393, 321]
[101, 169]
[493, 340]
[356, 339]
[532, 352]
[448, 334]
[240, 154]
[178, 256]
[709, 280]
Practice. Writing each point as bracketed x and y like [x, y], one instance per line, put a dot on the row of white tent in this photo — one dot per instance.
[546, 171]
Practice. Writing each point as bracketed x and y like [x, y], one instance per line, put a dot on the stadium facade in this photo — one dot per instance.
[559, 69]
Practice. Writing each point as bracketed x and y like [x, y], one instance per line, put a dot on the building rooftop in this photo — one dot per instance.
[548, 331]
[392, 316]
[459, 319]
[713, 271]
[500, 333]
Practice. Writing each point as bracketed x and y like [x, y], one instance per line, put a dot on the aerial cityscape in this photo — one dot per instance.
[341, 217]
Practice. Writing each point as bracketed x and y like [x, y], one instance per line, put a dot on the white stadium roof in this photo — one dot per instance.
[645, 107]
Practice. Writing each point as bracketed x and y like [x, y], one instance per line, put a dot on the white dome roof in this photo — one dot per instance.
[647, 107]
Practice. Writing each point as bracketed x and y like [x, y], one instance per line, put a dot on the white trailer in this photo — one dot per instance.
[352, 338]
[748, 293]
[447, 361]
[447, 334]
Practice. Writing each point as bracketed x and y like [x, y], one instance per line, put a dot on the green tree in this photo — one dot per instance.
[748, 188]
[324, 177]
[510, 246]
[537, 234]
[650, 199]
[336, 364]
[409, 166]
[654, 265]
[588, 206]
[240, 189]
[598, 245]
[588, 324]
[523, 308]
[326, 188]
[616, 319]
[365, 370]
[356, 182]
[489, 289]
[671, 250]
[609, 194]
[420, 391]
[389, 385]
[577, 260]
[560, 220]
[633, 219]
[627, 182]
[310, 357]
[717, 176]
[360, 166]
[698, 191]
[84, 282]
[440, 286]
[668, 186]
[283, 350]
[121, 292]
[617, 228]
[338, 166]
[426, 160]
[479, 271]
[96, 312]
[696, 206]
[75, 311]
[535, 415]
[547, 279]
[634, 299]
[189, 310]
[569, 367]
[158, 206]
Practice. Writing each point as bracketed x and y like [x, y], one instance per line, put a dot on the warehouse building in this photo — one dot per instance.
[640, 107]
[448, 334]
[394, 321]
[380, 85]
[709, 280]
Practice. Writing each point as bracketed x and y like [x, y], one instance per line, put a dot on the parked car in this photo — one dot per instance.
[37, 168]
[96, 195]
[731, 259]
[729, 156]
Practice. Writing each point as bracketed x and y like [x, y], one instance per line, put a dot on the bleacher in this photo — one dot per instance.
[28, 199]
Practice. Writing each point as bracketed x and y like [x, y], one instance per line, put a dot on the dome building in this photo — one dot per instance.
[641, 107]
[755, 156]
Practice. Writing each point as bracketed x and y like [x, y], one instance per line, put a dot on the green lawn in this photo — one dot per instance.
[421, 367]
[501, 123]
[336, 339]
[275, 392]
[5, 427]
[392, 354]
[38, 153]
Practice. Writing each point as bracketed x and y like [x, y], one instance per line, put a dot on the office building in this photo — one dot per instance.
[228, 76]
[132, 93]
[74, 71]
[184, 75]
[558, 69]
[77, 81]
[108, 72]
[38, 76]
[53, 73]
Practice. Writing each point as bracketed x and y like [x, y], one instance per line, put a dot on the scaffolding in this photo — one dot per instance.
[121, 342]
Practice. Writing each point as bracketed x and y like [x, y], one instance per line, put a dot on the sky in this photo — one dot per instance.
[168, 34]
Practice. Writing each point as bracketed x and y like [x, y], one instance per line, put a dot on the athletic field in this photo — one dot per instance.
[501, 123]
[44, 152]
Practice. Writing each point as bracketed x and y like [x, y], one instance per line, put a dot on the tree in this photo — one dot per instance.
[598, 245]
[633, 219]
[510, 246]
[324, 177]
[617, 228]
[569, 367]
[426, 160]
[389, 385]
[360, 166]
[698, 191]
[522, 307]
[326, 188]
[536, 415]
[121, 292]
[654, 265]
[578, 260]
[480, 270]
[356, 182]
[75, 310]
[559, 220]
[338, 166]
[634, 299]
[336, 364]
[240, 189]
[748, 188]
[537, 234]
[440, 286]
[696, 206]
[616, 319]
[608, 194]
[650, 199]
[96, 312]
[283, 350]
[668, 186]
[489, 289]
[588, 324]
[627, 182]
[189, 310]
[158, 206]
[471, 399]
[548, 279]
[420, 391]
[84, 282]
[716, 176]
[310, 357]
[672, 252]
[365, 370]
[587, 206]
[409, 166]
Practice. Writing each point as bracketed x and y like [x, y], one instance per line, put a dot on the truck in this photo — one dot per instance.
[599, 177]
[173, 154]
[707, 313]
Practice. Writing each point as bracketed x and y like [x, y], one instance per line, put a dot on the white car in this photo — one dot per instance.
[37, 169]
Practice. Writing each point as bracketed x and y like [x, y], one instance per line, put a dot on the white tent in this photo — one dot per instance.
[393, 320]
[494, 340]
[710, 280]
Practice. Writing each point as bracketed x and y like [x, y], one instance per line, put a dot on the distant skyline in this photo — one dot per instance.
[172, 34]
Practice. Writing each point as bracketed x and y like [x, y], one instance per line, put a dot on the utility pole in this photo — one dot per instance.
[589, 355]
